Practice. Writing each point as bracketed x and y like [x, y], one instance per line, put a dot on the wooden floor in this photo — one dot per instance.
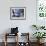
[13, 44]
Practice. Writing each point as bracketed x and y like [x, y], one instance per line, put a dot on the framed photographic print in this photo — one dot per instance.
[41, 8]
[18, 13]
[41, 12]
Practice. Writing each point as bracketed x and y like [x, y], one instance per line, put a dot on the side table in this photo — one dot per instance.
[8, 34]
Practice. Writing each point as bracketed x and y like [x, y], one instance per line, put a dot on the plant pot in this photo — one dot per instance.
[38, 41]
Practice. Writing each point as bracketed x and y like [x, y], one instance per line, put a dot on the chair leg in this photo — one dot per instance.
[5, 43]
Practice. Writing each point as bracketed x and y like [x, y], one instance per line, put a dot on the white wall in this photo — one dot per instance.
[24, 25]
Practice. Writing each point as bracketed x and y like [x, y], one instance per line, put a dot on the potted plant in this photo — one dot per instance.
[42, 27]
[39, 36]
[35, 26]
[38, 27]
